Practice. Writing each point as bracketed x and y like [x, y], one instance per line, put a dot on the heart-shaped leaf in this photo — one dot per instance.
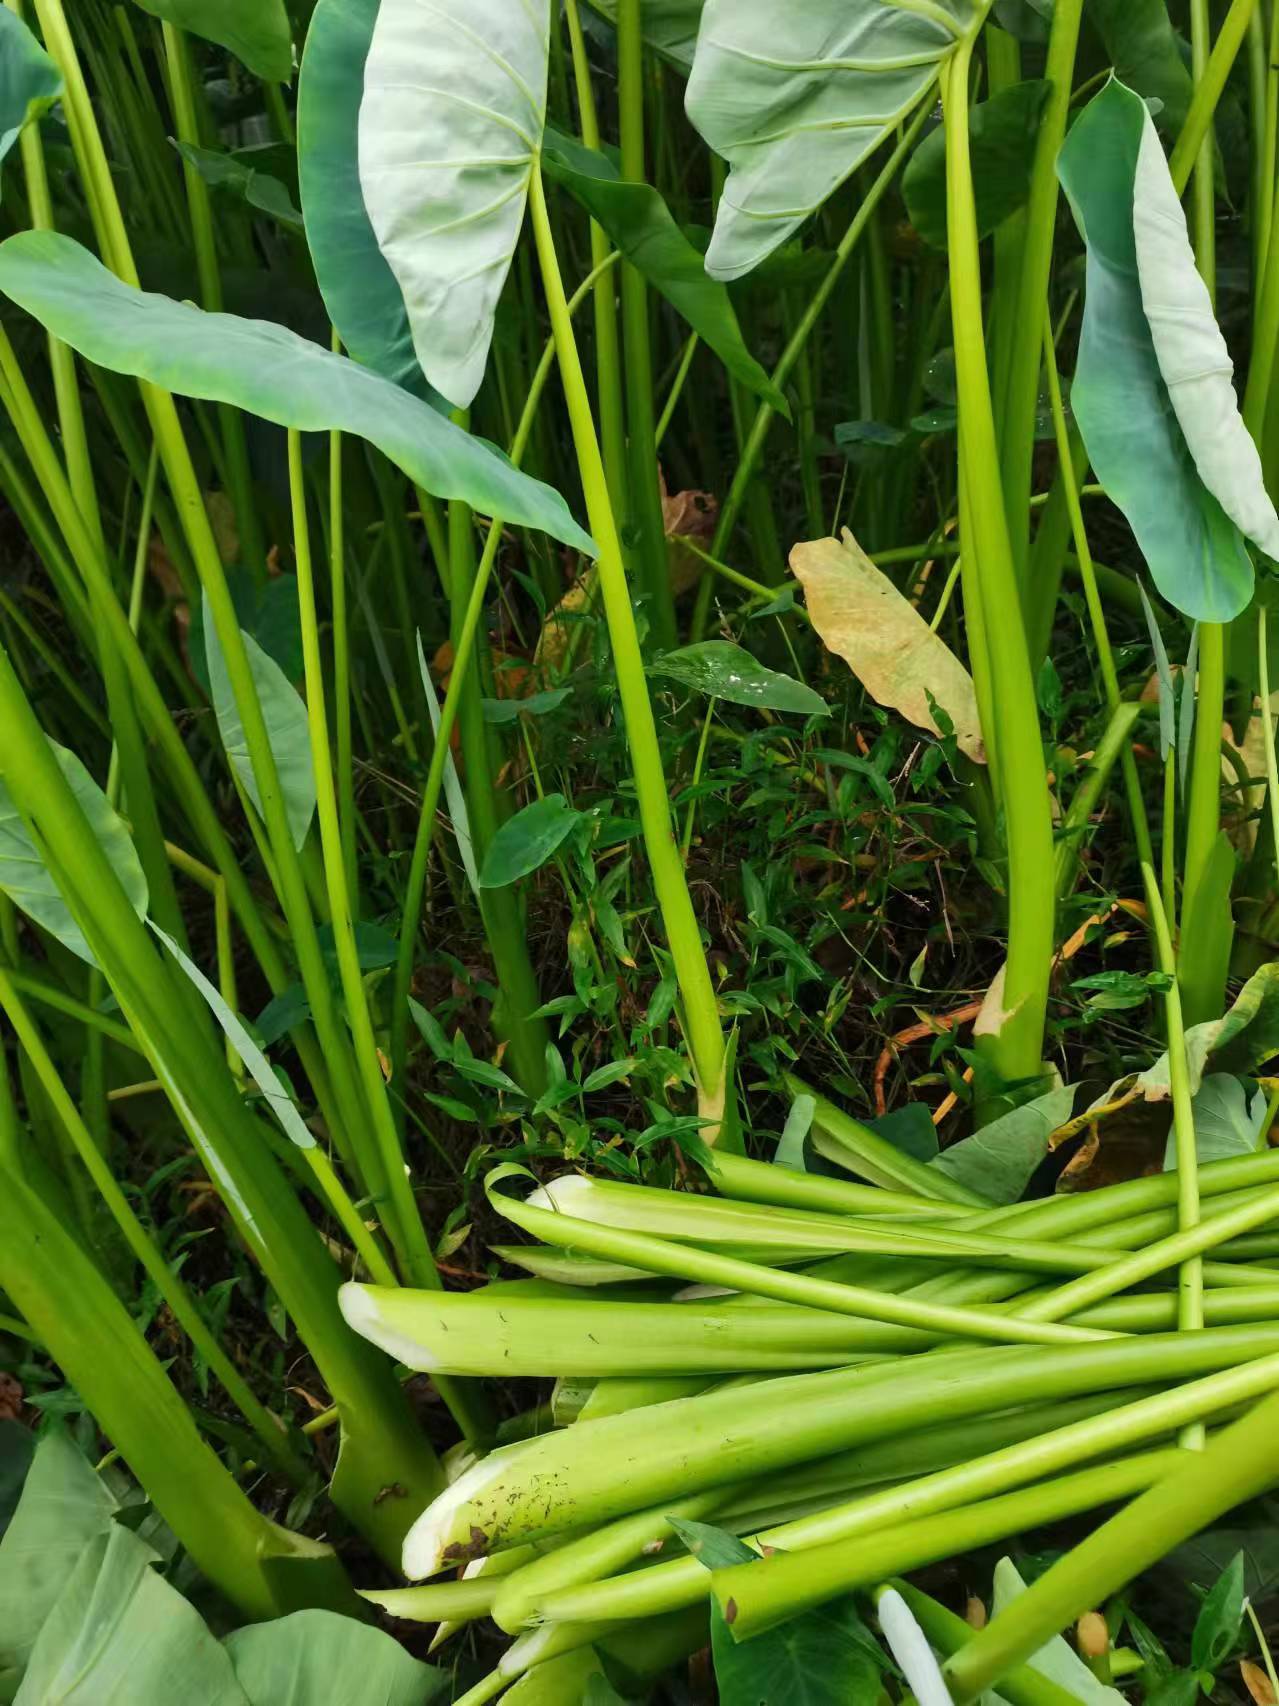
[526, 841]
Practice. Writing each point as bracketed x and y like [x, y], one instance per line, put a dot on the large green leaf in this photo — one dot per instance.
[269, 371]
[1228, 1121]
[822, 1658]
[27, 882]
[285, 716]
[1191, 352]
[640, 224]
[1195, 552]
[1002, 135]
[359, 288]
[669, 27]
[239, 177]
[1000, 1159]
[64, 1505]
[30, 82]
[256, 31]
[121, 1633]
[314, 1657]
[450, 124]
[1143, 47]
[795, 109]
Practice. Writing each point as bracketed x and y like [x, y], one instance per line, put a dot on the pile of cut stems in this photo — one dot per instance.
[858, 1378]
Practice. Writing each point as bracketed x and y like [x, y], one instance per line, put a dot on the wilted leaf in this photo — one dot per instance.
[860, 615]
[1257, 1683]
[725, 671]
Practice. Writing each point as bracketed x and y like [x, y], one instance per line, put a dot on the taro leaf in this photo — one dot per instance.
[725, 671]
[999, 1160]
[260, 1068]
[1248, 1036]
[825, 1657]
[527, 840]
[860, 615]
[287, 732]
[64, 1505]
[119, 1632]
[1057, 1660]
[639, 223]
[1002, 134]
[231, 172]
[30, 82]
[1143, 47]
[1027, 20]
[534, 705]
[1191, 352]
[1195, 552]
[450, 124]
[669, 27]
[358, 287]
[255, 31]
[1163, 673]
[794, 114]
[30, 886]
[1227, 1121]
[269, 612]
[1200, 1561]
[268, 371]
[1217, 1626]
[318, 1655]
[909, 1128]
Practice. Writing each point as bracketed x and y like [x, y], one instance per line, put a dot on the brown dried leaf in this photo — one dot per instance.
[10, 1398]
[553, 641]
[1257, 1683]
[860, 615]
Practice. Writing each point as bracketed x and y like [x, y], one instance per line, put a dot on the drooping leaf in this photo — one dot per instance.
[260, 1070]
[1141, 43]
[30, 886]
[312, 1656]
[1000, 1159]
[1227, 1120]
[256, 31]
[1002, 135]
[1135, 443]
[860, 615]
[120, 1632]
[1191, 352]
[799, 1119]
[268, 371]
[63, 1507]
[268, 611]
[30, 82]
[669, 27]
[526, 841]
[640, 224]
[1058, 1661]
[285, 717]
[359, 289]
[794, 112]
[726, 671]
[231, 172]
[450, 124]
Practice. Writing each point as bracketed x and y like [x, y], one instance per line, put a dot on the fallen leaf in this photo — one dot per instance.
[10, 1398]
[1257, 1683]
[860, 615]
[686, 516]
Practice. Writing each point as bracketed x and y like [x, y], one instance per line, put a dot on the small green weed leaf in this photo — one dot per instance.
[312, 1656]
[639, 224]
[30, 82]
[535, 705]
[1002, 134]
[1178, 1688]
[669, 27]
[793, 126]
[825, 1657]
[1142, 44]
[1217, 1625]
[119, 1631]
[1058, 1660]
[448, 140]
[484, 1072]
[30, 886]
[1000, 1159]
[431, 1031]
[858, 766]
[359, 289]
[866, 442]
[1163, 673]
[64, 1506]
[723, 670]
[454, 793]
[526, 841]
[233, 173]
[374, 948]
[613, 1073]
[268, 371]
[713, 1547]
[283, 1013]
[255, 31]
[1120, 398]
[1227, 1120]
[260, 1069]
[284, 714]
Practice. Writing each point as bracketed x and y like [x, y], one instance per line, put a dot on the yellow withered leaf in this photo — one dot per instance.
[859, 614]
